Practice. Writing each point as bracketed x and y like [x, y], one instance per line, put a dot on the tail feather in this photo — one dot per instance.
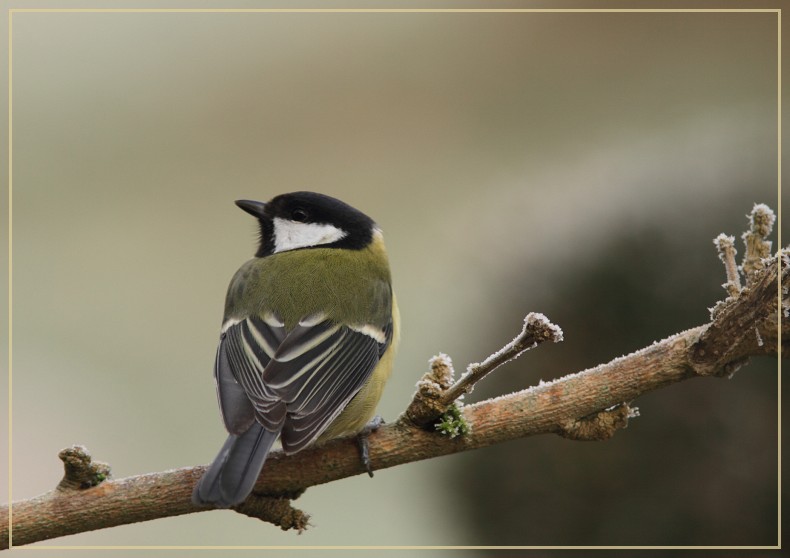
[230, 478]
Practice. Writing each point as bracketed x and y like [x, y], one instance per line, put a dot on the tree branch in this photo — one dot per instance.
[589, 405]
[537, 329]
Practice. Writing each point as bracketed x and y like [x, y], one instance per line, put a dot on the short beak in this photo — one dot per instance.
[254, 208]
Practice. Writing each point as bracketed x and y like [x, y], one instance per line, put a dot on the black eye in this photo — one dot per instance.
[299, 215]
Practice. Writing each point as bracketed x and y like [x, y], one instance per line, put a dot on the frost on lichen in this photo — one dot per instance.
[452, 423]
[725, 246]
[442, 371]
[758, 247]
[555, 331]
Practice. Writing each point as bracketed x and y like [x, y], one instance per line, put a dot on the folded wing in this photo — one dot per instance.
[298, 382]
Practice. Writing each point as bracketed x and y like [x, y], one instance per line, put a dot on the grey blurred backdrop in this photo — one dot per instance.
[574, 164]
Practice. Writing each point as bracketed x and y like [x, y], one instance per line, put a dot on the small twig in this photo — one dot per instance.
[761, 223]
[426, 405]
[725, 245]
[275, 510]
[537, 329]
[598, 426]
[80, 471]
[718, 350]
[437, 390]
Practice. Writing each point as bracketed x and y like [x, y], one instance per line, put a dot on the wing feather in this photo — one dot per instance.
[328, 389]
[298, 381]
[237, 411]
[242, 358]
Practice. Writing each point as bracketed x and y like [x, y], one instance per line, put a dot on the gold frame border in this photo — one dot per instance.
[12, 11]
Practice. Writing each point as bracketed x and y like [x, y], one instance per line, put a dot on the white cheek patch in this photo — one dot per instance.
[290, 235]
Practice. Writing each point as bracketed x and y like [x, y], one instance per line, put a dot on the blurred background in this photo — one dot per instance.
[575, 164]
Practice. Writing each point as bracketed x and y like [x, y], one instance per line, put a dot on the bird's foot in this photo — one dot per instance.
[362, 440]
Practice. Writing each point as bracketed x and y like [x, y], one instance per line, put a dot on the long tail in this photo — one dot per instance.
[230, 478]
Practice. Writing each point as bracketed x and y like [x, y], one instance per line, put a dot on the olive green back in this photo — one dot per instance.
[349, 286]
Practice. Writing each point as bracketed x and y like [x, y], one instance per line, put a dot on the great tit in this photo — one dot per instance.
[307, 340]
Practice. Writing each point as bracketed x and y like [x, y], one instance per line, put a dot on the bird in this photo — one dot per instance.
[308, 338]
